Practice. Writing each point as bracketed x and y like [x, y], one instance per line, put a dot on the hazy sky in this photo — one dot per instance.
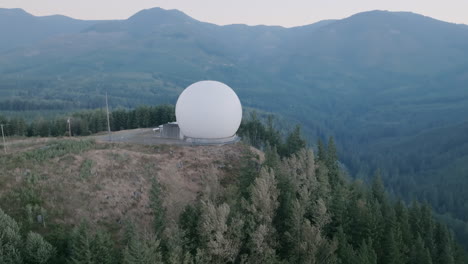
[252, 12]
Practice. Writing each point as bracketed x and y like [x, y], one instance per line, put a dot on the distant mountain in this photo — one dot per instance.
[19, 28]
[378, 81]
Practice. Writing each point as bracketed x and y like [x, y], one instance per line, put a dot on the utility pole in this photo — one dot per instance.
[69, 127]
[108, 120]
[3, 136]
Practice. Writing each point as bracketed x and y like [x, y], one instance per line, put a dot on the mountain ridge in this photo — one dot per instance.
[369, 80]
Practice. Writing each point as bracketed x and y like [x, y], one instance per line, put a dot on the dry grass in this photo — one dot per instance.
[110, 183]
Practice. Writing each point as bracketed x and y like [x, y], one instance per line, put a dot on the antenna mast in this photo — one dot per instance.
[69, 127]
[4, 144]
[108, 120]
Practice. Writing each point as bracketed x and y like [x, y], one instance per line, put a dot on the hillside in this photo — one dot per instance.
[77, 200]
[386, 85]
[107, 185]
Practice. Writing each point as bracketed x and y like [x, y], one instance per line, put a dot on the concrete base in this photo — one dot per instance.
[212, 141]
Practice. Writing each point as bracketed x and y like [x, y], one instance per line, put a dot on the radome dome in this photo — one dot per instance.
[208, 110]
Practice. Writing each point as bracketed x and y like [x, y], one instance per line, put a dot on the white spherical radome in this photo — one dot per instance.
[208, 110]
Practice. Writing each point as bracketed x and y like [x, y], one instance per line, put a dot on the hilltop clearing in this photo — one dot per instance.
[83, 180]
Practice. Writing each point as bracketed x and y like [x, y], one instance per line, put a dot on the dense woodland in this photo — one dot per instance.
[294, 207]
[89, 122]
[390, 87]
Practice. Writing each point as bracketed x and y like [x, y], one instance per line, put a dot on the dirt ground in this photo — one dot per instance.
[111, 182]
[144, 136]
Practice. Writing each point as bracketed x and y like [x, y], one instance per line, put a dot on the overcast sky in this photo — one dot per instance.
[252, 12]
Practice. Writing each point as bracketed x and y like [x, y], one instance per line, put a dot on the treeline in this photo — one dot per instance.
[296, 209]
[89, 122]
[261, 134]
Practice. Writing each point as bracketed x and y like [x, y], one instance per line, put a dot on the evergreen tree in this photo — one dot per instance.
[294, 142]
[156, 203]
[391, 249]
[264, 202]
[102, 248]
[189, 222]
[80, 246]
[419, 254]
[345, 252]
[220, 242]
[444, 251]
[321, 151]
[378, 189]
[366, 254]
[142, 250]
[10, 240]
[331, 162]
[37, 250]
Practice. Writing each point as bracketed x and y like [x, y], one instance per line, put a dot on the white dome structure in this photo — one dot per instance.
[208, 110]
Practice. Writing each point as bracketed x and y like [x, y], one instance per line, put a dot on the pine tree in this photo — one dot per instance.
[428, 227]
[189, 221]
[294, 142]
[220, 241]
[272, 136]
[80, 246]
[321, 151]
[337, 210]
[378, 189]
[37, 250]
[142, 250]
[391, 254]
[102, 248]
[272, 159]
[345, 252]
[419, 254]
[10, 240]
[331, 162]
[444, 251]
[156, 203]
[402, 216]
[366, 254]
[175, 247]
[264, 202]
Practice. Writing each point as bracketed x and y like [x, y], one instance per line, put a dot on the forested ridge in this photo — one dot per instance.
[404, 116]
[390, 87]
[292, 207]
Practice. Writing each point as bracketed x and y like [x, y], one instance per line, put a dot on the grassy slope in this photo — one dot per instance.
[81, 180]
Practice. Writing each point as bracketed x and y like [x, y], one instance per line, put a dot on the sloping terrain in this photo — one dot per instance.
[372, 81]
[107, 184]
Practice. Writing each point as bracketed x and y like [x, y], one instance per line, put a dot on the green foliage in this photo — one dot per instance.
[85, 169]
[142, 250]
[10, 240]
[86, 122]
[80, 246]
[84, 247]
[59, 148]
[14, 250]
[403, 114]
[37, 250]
[188, 222]
[102, 247]
[264, 203]
[264, 136]
[156, 203]
[295, 208]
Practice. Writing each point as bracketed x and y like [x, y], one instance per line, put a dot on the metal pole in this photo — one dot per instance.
[4, 144]
[108, 120]
[69, 127]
